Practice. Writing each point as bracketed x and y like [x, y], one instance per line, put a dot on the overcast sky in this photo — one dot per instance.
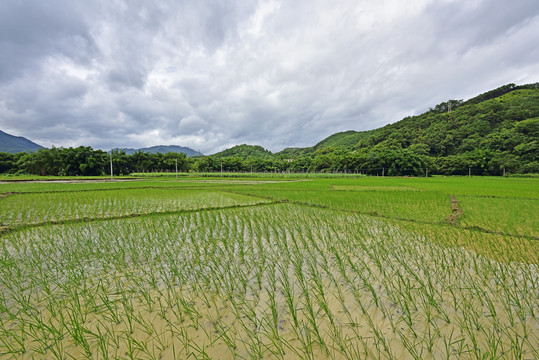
[213, 74]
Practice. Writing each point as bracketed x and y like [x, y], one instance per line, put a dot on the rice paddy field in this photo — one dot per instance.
[269, 268]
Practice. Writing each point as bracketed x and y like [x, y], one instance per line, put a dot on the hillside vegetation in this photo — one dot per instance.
[346, 139]
[495, 133]
[492, 133]
[244, 151]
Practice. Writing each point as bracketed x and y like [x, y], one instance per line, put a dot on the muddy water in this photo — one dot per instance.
[308, 284]
[193, 320]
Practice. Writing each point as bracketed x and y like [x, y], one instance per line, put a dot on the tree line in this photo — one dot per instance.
[85, 161]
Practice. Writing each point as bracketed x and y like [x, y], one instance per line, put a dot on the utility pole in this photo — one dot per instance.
[383, 170]
[469, 172]
[427, 172]
[221, 169]
[176, 168]
[111, 179]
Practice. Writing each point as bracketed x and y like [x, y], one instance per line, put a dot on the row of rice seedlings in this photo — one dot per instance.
[44, 207]
[281, 282]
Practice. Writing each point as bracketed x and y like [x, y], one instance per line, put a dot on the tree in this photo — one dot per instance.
[8, 162]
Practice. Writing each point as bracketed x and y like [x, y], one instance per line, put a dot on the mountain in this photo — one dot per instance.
[505, 119]
[492, 133]
[163, 149]
[345, 139]
[14, 144]
[245, 151]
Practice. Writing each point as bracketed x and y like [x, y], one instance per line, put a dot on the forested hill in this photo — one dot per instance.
[452, 127]
[345, 139]
[244, 151]
[507, 123]
[490, 132]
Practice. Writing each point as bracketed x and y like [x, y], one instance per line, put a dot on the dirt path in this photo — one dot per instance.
[456, 211]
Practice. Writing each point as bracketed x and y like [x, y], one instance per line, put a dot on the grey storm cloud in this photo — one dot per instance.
[212, 74]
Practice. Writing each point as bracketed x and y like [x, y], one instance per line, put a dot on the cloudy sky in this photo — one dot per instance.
[277, 73]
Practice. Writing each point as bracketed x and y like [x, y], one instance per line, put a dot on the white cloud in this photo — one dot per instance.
[213, 74]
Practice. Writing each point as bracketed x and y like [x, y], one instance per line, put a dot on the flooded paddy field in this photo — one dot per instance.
[319, 269]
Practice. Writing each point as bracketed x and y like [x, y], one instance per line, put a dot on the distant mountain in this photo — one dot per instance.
[163, 149]
[245, 151]
[14, 144]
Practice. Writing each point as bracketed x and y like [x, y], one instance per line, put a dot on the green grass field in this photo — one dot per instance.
[273, 268]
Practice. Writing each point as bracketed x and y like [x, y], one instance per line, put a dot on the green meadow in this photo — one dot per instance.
[270, 268]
